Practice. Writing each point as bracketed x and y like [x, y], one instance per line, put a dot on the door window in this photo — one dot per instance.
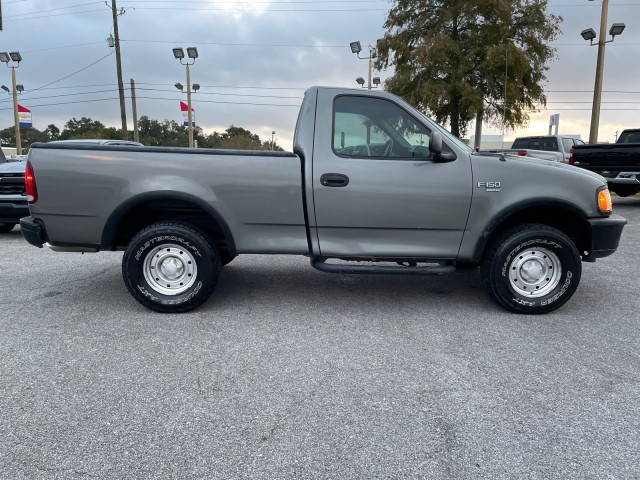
[373, 127]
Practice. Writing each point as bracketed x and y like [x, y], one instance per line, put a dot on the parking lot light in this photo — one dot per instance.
[589, 35]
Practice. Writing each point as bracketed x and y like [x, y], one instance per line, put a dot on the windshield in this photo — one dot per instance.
[446, 134]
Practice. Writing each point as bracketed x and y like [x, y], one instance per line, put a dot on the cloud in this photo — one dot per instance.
[277, 49]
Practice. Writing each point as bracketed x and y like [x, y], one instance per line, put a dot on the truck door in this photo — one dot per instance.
[376, 193]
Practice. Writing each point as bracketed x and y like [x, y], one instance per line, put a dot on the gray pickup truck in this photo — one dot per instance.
[419, 202]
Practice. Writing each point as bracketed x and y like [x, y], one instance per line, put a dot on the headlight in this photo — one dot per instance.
[604, 201]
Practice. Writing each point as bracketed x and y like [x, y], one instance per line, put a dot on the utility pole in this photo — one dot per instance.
[123, 113]
[135, 111]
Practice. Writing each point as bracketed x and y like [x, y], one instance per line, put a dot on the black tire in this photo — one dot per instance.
[6, 227]
[171, 267]
[543, 259]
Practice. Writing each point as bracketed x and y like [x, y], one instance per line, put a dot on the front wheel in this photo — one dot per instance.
[531, 269]
[170, 267]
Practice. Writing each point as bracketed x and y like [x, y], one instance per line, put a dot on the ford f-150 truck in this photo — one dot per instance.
[423, 203]
[618, 162]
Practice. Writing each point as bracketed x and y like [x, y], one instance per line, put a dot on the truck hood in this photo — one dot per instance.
[514, 162]
[13, 167]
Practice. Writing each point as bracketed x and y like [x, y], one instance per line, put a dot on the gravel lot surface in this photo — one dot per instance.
[287, 372]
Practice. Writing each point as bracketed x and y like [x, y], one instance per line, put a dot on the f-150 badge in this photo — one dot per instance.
[490, 186]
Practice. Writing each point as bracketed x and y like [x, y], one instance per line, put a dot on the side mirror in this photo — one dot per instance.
[435, 147]
[435, 142]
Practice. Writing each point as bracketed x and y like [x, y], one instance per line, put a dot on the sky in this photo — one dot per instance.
[257, 58]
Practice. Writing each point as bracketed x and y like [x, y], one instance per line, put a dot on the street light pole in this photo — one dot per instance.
[356, 48]
[192, 53]
[597, 90]
[189, 113]
[16, 58]
[589, 35]
[15, 112]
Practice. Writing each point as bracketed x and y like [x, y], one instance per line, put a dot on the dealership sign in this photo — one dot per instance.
[185, 114]
[24, 117]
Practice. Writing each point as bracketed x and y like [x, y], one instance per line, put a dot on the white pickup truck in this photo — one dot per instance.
[556, 148]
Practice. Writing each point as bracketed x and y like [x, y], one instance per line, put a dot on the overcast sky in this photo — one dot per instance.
[257, 58]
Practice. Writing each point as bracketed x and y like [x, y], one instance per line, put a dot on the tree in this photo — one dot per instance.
[83, 128]
[238, 138]
[450, 57]
[167, 133]
[52, 132]
[27, 135]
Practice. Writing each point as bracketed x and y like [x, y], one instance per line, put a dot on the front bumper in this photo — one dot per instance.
[605, 235]
[33, 232]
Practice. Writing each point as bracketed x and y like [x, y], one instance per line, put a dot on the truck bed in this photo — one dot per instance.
[258, 193]
[614, 157]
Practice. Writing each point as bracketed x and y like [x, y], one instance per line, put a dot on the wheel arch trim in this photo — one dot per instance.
[113, 221]
[508, 212]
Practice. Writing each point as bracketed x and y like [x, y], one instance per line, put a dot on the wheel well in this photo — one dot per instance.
[569, 223]
[151, 211]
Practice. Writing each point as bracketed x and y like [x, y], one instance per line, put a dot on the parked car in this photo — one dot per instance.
[420, 206]
[547, 143]
[13, 198]
[556, 148]
[618, 162]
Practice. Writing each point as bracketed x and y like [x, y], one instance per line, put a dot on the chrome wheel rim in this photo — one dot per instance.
[535, 272]
[170, 269]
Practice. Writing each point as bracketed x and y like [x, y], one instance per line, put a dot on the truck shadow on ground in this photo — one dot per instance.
[294, 282]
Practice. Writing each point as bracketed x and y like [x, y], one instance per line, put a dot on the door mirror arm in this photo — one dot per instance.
[435, 149]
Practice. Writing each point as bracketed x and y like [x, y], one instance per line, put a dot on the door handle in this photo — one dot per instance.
[334, 180]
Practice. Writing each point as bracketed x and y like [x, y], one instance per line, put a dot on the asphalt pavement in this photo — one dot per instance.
[287, 373]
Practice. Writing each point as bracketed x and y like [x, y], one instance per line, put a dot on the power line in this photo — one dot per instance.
[274, 10]
[64, 46]
[235, 86]
[158, 98]
[52, 9]
[224, 94]
[74, 73]
[53, 15]
[345, 45]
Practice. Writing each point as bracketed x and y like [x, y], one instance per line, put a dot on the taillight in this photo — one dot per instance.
[522, 153]
[571, 156]
[30, 184]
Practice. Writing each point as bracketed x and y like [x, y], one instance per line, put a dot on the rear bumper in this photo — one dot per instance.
[33, 232]
[605, 235]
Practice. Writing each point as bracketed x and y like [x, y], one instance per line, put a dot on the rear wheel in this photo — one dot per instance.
[531, 269]
[171, 267]
[6, 227]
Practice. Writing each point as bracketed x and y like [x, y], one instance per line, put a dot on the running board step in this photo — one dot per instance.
[442, 268]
